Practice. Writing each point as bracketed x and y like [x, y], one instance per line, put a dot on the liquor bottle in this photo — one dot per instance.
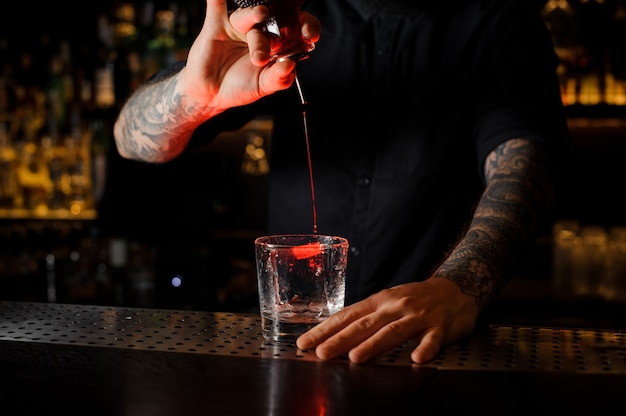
[32, 171]
[182, 35]
[104, 82]
[127, 63]
[592, 27]
[559, 18]
[617, 54]
[57, 94]
[161, 48]
[8, 179]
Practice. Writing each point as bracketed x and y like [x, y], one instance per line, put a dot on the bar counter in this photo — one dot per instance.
[66, 359]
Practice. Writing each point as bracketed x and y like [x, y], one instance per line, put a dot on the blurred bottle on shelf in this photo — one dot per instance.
[593, 22]
[566, 243]
[8, 179]
[104, 71]
[560, 19]
[588, 38]
[589, 260]
[617, 55]
[160, 49]
[127, 51]
[615, 279]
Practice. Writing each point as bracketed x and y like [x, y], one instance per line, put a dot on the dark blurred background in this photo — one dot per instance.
[80, 224]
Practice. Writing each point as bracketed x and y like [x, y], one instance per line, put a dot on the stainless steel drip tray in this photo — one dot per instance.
[494, 347]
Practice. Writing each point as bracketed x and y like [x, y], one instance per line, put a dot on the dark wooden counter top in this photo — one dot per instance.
[58, 359]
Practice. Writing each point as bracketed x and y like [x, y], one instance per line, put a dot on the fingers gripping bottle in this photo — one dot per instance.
[284, 26]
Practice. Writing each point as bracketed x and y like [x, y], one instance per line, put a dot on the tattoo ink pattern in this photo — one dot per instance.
[518, 194]
[159, 123]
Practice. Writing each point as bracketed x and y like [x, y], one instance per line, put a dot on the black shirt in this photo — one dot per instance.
[404, 102]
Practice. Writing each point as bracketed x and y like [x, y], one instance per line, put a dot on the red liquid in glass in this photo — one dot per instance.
[284, 25]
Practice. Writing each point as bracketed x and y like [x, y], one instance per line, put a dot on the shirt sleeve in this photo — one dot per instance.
[517, 88]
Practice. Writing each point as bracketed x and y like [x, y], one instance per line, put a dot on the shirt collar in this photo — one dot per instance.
[368, 8]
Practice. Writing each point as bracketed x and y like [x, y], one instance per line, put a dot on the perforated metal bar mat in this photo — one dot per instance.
[509, 348]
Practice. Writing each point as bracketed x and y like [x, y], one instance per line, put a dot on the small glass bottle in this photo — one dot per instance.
[284, 26]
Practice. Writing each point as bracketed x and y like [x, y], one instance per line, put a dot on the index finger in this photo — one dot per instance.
[216, 12]
[332, 325]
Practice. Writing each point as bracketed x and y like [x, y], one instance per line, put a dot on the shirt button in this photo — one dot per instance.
[355, 251]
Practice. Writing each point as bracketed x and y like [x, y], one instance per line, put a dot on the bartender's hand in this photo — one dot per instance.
[227, 66]
[434, 313]
[228, 61]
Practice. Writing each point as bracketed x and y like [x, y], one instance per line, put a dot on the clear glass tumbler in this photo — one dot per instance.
[301, 282]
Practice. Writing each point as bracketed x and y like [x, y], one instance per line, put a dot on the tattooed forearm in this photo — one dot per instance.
[156, 123]
[517, 194]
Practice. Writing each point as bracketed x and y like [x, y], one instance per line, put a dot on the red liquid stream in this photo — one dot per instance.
[308, 152]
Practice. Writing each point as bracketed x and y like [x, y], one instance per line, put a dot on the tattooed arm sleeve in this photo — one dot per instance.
[518, 194]
[157, 121]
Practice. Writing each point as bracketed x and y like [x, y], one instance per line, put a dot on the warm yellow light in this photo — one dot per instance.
[75, 208]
